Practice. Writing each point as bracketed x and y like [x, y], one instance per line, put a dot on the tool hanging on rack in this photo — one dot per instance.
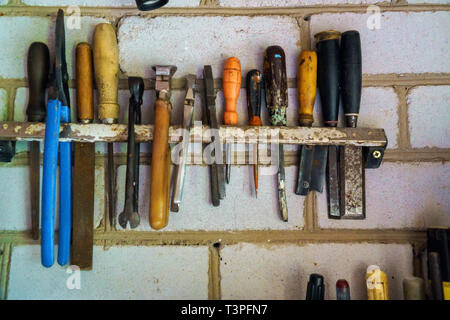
[306, 86]
[130, 213]
[328, 82]
[58, 110]
[231, 83]
[275, 84]
[352, 181]
[254, 89]
[316, 287]
[84, 165]
[160, 171]
[180, 169]
[216, 167]
[38, 64]
[106, 68]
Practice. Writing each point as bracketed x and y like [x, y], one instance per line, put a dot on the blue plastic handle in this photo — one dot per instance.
[65, 195]
[49, 182]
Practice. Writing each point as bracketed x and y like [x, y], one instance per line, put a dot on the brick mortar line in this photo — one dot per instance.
[214, 292]
[4, 269]
[291, 157]
[404, 141]
[112, 12]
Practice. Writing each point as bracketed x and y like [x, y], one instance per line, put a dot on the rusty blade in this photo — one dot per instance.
[111, 187]
[35, 187]
[282, 185]
[333, 186]
[83, 205]
[318, 168]
[352, 183]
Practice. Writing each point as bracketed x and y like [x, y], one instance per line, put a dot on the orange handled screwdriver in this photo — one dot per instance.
[231, 87]
[254, 88]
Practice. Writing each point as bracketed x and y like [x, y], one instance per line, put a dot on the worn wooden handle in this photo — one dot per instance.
[106, 65]
[85, 86]
[307, 85]
[159, 190]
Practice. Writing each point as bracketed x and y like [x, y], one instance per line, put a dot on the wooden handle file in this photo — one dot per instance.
[84, 166]
[106, 72]
[307, 85]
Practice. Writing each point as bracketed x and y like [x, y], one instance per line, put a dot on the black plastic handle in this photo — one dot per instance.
[328, 75]
[254, 87]
[275, 85]
[316, 287]
[351, 75]
[146, 5]
[38, 68]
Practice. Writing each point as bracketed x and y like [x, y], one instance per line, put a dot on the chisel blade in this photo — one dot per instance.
[318, 168]
[333, 187]
[304, 175]
[352, 183]
[282, 185]
[35, 187]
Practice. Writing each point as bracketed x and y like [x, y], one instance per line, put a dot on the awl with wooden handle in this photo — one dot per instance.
[254, 89]
[352, 171]
[160, 170]
[38, 64]
[84, 165]
[327, 44]
[275, 84]
[106, 66]
[306, 86]
[231, 82]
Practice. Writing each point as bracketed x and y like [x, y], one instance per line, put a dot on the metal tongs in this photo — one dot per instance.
[130, 212]
[180, 168]
[58, 110]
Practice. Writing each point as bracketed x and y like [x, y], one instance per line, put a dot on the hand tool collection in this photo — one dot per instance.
[333, 68]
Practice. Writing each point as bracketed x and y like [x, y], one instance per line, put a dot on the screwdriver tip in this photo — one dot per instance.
[256, 192]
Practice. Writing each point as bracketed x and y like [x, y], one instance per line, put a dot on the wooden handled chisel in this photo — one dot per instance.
[275, 84]
[327, 44]
[231, 83]
[306, 86]
[351, 170]
[254, 89]
[38, 64]
[106, 68]
[84, 165]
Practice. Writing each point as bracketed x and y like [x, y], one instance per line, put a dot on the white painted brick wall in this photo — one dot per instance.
[16, 212]
[395, 47]
[20, 32]
[429, 117]
[3, 2]
[118, 273]
[428, 1]
[400, 195]
[289, 3]
[250, 271]
[240, 210]
[105, 3]
[198, 41]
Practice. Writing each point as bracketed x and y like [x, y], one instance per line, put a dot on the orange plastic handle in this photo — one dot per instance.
[231, 87]
[307, 85]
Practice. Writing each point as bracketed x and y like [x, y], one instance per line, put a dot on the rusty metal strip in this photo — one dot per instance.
[83, 205]
[28, 131]
[352, 183]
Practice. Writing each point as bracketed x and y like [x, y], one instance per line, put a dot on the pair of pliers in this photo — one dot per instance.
[58, 110]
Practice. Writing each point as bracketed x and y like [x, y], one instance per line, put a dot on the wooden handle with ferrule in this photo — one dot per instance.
[231, 88]
[306, 86]
[38, 63]
[160, 170]
[106, 66]
[85, 85]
